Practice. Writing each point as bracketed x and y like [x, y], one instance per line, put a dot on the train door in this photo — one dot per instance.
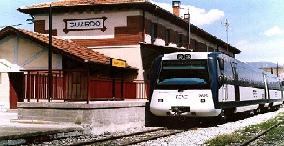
[266, 91]
[226, 90]
[224, 93]
[230, 91]
[282, 88]
[236, 78]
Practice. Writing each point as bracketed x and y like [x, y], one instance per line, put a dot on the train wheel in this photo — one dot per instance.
[222, 118]
[256, 111]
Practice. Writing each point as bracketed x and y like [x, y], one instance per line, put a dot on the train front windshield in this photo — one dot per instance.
[184, 74]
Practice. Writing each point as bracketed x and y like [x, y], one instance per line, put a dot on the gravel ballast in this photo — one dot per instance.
[200, 135]
[197, 136]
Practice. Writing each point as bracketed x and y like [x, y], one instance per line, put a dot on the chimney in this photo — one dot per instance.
[176, 7]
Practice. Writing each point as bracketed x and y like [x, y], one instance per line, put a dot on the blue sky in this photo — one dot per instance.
[256, 26]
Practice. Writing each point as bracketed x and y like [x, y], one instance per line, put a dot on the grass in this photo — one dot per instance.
[245, 134]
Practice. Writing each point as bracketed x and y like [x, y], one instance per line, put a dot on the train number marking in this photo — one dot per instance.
[203, 95]
[181, 96]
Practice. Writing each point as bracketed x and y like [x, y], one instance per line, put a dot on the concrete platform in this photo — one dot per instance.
[101, 116]
[17, 132]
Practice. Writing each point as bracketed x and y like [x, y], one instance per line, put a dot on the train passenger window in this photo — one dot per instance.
[234, 70]
[221, 63]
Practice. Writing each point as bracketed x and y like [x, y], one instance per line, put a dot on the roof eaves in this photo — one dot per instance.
[44, 41]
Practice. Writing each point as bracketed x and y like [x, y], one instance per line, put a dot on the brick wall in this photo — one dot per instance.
[128, 35]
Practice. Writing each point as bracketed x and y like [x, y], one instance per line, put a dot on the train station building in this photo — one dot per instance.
[24, 64]
[89, 38]
[133, 30]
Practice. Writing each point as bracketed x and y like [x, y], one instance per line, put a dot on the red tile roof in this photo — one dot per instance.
[64, 47]
[80, 2]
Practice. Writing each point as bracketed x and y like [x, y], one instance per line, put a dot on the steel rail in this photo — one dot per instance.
[260, 134]
[113, 137]
[151, 138]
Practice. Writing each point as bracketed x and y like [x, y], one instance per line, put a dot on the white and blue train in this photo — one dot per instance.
[210, 84]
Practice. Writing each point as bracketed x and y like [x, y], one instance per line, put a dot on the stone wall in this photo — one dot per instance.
[100, 116]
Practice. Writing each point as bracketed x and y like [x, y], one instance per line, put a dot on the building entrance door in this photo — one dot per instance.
[16, 88]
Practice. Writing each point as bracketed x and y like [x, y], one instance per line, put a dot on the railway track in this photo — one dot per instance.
[256, 137]
[130, 139]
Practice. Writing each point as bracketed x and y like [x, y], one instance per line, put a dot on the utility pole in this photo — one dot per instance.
[226, 24]
[277, 70]
[50, 83]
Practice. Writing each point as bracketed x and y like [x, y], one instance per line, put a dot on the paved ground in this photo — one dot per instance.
[5, 117]
[10, 126]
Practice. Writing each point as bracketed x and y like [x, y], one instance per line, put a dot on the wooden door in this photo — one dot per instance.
[16, 88]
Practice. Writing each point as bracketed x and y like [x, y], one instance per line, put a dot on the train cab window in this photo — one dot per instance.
[184, 75]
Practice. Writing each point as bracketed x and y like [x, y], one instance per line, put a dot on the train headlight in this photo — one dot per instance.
[160, 100]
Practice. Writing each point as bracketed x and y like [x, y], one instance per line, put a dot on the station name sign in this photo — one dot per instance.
[118, 63]
[84, 24]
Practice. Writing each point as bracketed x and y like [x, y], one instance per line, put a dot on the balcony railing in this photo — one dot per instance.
[73, 85]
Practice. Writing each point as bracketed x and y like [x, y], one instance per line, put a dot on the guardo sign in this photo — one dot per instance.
[84, 24]
[183, 56]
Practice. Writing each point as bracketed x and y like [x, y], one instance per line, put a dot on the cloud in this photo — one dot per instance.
[273, 31]
[198, 16]
[268, 50]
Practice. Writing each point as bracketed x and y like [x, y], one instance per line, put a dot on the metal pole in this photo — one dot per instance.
[50, 86]
[188, 47]
[227, 34]
[277, 71]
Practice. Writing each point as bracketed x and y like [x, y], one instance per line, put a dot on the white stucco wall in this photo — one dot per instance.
[4, 92]
[16, 54]
[22, 54]
[131, 54]
[165, 23]
[114, 19]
